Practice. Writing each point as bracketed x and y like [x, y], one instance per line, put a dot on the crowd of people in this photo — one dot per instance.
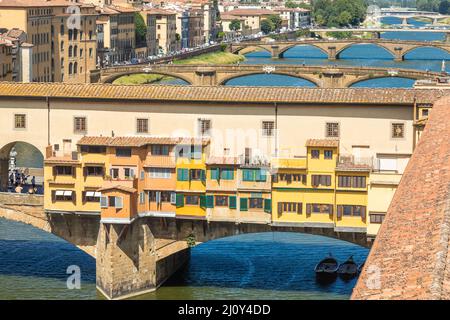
[19, 178]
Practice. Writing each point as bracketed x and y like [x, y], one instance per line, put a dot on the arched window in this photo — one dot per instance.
[70, 51]
[70, 68]
[62, 46]
[75, 34]
[75, 51]
[70, 34]
[62, 29]
[75, 67]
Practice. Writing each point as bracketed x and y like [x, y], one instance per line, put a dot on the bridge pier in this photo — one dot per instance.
[332, 53]
[205, 77]
[129, 260]
[4, 166]
[275, 51]
[447, 37]
[405, 21]
[398, 54]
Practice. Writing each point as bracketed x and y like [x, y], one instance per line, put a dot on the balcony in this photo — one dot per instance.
[352, 163]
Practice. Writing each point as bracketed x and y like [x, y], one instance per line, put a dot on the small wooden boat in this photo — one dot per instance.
[327, 268]
[348, 269]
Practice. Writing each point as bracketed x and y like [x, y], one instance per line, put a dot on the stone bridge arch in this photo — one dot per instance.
[110, 77]
[352, 82]
[237, 49]
[223, 80]
[283, 50]
[438, 48]
[341, 49]
[28, 156]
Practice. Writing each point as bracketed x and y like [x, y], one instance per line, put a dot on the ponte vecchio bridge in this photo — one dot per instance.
[320, 76]
[333, 48]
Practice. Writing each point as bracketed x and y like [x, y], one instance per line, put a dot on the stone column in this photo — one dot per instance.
[127, 260]
[275, 52]
[332, 53]
[405, 21]
[447, 37]
[398, 54]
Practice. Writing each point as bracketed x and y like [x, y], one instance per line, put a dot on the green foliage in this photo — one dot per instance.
[190, 240]
[428, 5]
[276, 20]
[291, 4]
[223, 47]
[220, 35]
[267, 26]
[177, 37]
[235, 25]
[444, 7]
[339, 35]
[339, 13]
[303, 33]
[141, 29]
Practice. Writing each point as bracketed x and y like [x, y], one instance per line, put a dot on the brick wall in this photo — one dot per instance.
[410, 255]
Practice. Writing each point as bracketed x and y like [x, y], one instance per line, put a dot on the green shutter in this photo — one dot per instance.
[210, 201]
[179, 174]
[257, 175]
[179, 200]
[214, 173]
[232, 202]
[183, 174]
[260, 175]
[244, 204]
[203, 175]
[268, 205]
[248, 175]
[202, 201]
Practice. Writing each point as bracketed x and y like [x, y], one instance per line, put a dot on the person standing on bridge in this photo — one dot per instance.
[33, 183]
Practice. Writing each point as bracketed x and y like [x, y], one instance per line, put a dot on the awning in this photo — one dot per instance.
[97, 194]
[90, 194]
[59, 192]
[67, 193]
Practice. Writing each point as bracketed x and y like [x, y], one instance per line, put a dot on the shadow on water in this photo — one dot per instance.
[263, 265]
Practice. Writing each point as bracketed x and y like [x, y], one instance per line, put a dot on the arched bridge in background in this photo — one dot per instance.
[333, 48]
[320, 76]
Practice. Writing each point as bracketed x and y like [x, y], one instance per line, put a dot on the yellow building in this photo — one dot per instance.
[191, 178]
[322, 189]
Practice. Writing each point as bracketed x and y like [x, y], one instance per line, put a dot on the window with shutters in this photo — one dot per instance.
[192, 200]
[79, 125]
[315, 154]
[351, 211]
[114, 173]
[320, 180]
[398, 130]
[290, 207]
[268, 128]
[63, 170]
[344, 181]
[328, 154]
[160, 150]
[376, 218]
[204, 126]
[142, 198]
[160, 173]
[142, 125]
[161, 196]
[128, 173]
[221, 201]
[321, 208]
[20, 121]
[115, 202]
[359, 182]
[123, 152]
[332, 130]
[256, 203]
[196, 174]
[91, 196]
[93, 171]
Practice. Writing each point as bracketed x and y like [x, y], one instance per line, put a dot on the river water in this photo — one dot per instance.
[33, 263]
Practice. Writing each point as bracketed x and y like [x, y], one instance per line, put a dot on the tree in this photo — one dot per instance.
[339, 13]
[276, 21]
[444, 7]
[267, 26]
[235, 25]
[141, 29]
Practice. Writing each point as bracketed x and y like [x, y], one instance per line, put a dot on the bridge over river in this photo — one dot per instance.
[332, 48]
[320, 76]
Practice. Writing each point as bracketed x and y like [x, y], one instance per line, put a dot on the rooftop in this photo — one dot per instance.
[36, 3]
[263, 95]
[250, 12]
[137, 141]
[331, 143]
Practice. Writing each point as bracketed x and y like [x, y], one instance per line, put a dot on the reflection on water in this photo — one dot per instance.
[264, 265]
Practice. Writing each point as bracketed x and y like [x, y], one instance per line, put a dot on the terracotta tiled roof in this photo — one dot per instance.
[159, 11]
[160, 162]
[266, 95]
[250, 12]
[118, 187]
[61, 160]
[36, 3]
[15, 33]
[224, 160]
[137, 141]
[332, 143]
[410, 255]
